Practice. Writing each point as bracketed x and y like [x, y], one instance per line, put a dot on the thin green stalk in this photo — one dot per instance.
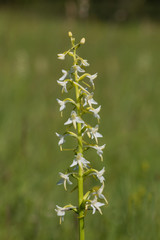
[80, 150]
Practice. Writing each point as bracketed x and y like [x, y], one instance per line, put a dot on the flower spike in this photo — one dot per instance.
[82, 104]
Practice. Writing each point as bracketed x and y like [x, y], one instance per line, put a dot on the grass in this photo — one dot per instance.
[127, 60]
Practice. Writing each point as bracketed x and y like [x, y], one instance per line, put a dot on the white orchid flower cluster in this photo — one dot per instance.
[86, 135]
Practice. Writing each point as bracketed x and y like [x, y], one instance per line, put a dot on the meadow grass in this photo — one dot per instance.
[127, 59]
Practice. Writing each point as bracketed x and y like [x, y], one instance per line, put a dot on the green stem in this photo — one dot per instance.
[80, 150]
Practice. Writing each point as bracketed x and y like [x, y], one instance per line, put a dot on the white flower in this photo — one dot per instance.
[80, 160]
[74, 119]
[99, 175]
[92, 77]
[93, 132]
[84, 62]
[64, 85]
[99, 193]
[99, 150]
[62, 210]
[64, 179]
[65, 73]
[96, 205]
[61, 56]
[95, 112]
[62, 104]
[61, 140]
[89, 99]
[78, 68]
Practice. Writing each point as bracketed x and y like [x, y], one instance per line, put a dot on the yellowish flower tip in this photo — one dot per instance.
[82, 41]
[70, 34]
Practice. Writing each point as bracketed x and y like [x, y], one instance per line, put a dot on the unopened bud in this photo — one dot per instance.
[82, 41]
[69, 34]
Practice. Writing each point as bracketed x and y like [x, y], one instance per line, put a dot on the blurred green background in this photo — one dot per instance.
[123, 46]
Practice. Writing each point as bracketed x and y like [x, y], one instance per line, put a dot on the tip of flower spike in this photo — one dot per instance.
[82, 41]
[70, 34]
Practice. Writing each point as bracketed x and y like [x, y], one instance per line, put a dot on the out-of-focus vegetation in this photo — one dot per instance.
[127, 59]
[113, 10]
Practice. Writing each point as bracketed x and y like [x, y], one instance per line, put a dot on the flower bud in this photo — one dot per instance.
[70, 34]
[61, 56]
[82, 41]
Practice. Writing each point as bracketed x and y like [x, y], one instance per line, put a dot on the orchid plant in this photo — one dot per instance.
[85, 135]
